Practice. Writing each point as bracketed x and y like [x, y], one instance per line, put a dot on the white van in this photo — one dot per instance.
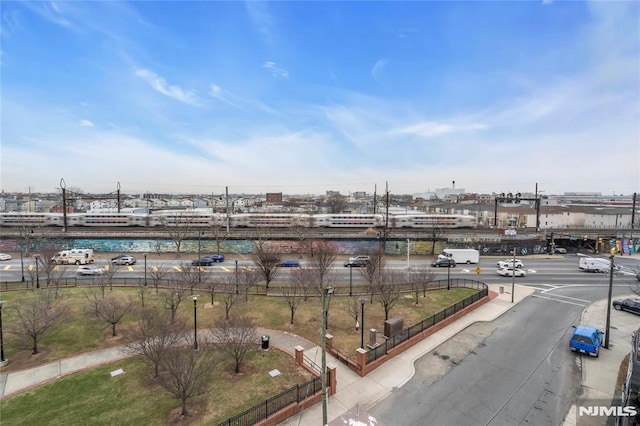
[595, 264]
[461, 255]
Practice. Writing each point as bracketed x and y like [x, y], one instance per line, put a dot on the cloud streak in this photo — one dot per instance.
[274, 70]
[160, 85]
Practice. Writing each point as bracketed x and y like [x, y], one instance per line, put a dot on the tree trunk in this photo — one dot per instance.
[35, 346]
[113, 330]
[184, 407]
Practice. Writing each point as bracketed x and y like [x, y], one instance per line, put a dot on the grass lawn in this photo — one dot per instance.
[134, 398]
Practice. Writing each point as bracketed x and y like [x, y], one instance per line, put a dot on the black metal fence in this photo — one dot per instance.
[262, 411]
[408, 333]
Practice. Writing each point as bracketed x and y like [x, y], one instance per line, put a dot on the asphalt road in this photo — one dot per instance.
[514, 370]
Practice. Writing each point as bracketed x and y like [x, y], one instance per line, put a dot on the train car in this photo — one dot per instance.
[202, 217]
[348, 220]
[30, 219]
[114, 219]
[427, 221]
[270, 220]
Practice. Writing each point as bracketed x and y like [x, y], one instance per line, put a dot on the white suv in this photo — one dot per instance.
[508, 263]
[360, 258]
[89, 270]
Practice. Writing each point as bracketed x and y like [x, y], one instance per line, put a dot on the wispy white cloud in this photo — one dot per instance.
[218, 93]
[258, 12]
[430, 129]
[159, 84]
[86, 123]
[377, 70]
[274, 70]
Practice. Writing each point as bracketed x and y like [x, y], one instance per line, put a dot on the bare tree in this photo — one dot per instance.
[246, 278]
[191, 275]
[236, 337]
[186, 372]
[46, 268]
[388, 289]
[37, 314]
[321, 264]
[179, 225]
[153, 335]
[112, 310]
[173, 295]
[353, 308]
[305, 278]
[212, 284]
[230, 293]
[293, 291]
[266, 261]
[158, 274]
[420, 279]
[373, 271]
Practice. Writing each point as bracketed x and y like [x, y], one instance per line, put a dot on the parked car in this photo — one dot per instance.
[507, 263]
[89, 270]
[630, 305]
[356, 263]
[586, 340]
[560, 250]
[360, 258]
[5, 256]
[292, 263]
[124, 260]
[203, 261]
[444, 262]
[120, 256]
[510, 272]
[217, 257]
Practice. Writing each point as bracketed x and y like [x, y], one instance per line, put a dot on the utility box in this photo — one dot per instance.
[393, 326]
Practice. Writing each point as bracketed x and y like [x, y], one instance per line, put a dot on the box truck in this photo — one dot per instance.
[73, 257]
[461, 255]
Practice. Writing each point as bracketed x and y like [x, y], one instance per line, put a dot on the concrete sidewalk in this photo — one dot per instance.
[355, 394]
[599, 375]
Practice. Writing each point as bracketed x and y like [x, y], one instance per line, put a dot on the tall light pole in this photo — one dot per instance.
[3, 361]
[608, 326]
[350, 280]
[199, 263]
[513, 275]
[145, 269]
[326, 292]
[449, 274]
[362, 301]
[195, 322]
[237, 287]
[37, 271]
[408, 252]
[21, 255]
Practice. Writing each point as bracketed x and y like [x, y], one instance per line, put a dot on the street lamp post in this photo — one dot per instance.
[237, 287]
[37, 271]
[449, 275]
[145, 269]
[195, 323]
[350, 280]
[362, 301]
[3, 361]
[199, 266]
[326, 292]
[21, 255]
[513, 278]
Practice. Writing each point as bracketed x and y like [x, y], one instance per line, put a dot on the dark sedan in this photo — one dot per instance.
[289, 264]
[205, 261]
[444, 263]
[356, 263]
[217, 257]
[630, 305]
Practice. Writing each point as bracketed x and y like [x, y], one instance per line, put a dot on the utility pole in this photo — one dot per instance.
[608, 326]
[118, 196]
[226, 192]
[64, 205]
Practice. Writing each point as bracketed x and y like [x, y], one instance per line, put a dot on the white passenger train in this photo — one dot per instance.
[200, 218]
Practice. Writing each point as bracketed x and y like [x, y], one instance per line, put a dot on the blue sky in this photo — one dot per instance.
[304, 97]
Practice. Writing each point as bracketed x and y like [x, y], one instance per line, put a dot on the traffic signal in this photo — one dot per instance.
[600, 241]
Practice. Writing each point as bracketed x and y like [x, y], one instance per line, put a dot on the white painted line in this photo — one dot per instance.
[557, 300]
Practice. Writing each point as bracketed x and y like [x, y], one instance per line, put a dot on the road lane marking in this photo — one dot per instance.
[177, 268]
[561, 301]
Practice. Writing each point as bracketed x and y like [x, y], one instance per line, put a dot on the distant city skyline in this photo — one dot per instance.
[309, 97]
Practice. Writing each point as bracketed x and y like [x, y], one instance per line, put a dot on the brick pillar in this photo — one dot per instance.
[299, 355]
[361, 359]
[329, 338]
[332, 380]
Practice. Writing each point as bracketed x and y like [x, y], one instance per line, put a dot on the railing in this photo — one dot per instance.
[315, 367]
[262, 411]
[434, 319]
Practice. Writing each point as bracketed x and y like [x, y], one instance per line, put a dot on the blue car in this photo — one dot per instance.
[289, 263]
[217, 257]
[205, 261]
[586, 340]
